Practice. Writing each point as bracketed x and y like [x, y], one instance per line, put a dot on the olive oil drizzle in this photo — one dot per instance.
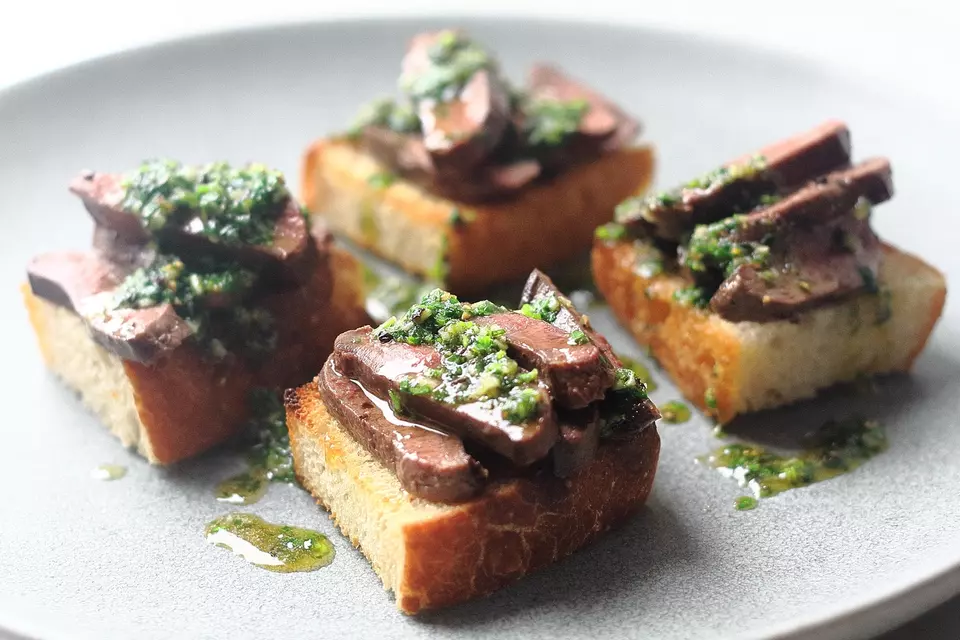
[837, 448]
[275, 547]
[674, 412]
[108, 472]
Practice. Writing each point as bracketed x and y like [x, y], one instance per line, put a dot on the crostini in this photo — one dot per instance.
[461, 446]
[469, 180]
[203, 284]
[763, 282]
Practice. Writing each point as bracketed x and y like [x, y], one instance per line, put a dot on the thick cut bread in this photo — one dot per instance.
[729, 368]
[182, 404]
[434, 555]
[491, 243]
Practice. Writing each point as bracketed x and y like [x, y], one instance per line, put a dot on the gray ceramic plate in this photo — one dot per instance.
[82, 558]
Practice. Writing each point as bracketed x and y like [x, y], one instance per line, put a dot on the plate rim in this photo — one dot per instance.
[918, 590]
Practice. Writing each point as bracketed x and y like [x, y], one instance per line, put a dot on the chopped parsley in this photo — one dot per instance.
[544, 308]
[385, 113]
[474, 362]
[550, 123]
[838, 447]
[577, 337]
[454, 59]
[208, 296]
[228, 205]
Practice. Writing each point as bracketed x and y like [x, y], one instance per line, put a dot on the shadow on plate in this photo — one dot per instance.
[617, 564]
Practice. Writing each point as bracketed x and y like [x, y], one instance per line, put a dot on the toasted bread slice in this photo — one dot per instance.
[182, 403]
[467, 248]
[433, 555]
[729, 368]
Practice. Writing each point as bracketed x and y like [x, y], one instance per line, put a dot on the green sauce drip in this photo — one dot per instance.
[641, 371]
[274, 547]
[474, 362]
[108, 472]
[229, 205]
[674, 412]
[269, 457]
[551, 123]
[198, 294]
[745, 503]
[838, 447]
[454, 59]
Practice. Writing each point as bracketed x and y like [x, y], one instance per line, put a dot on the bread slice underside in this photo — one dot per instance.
[730, 368]
[433, 555]
[467, 247]
[182, 403]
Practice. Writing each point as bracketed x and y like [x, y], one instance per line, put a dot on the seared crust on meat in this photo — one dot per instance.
[433, 555]
[747, 366]
[481, 244]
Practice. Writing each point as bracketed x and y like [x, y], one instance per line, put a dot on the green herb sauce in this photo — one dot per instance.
[229, 205]
[385, 113]
[745, 503]
[197, 293]
[838, 447]
[551, 123]
[641, 371]
[545, 308]
[381, 180]
[611, 232]
[648, 207]
[710, 398]
[674, 412]
[108, 472]
[454, 59]
[274, 547]
[711, 249]
[390, 296]
[693, 297]
[269, 457]
[474, 362]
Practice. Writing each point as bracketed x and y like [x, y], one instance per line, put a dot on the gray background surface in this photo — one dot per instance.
[88, 559]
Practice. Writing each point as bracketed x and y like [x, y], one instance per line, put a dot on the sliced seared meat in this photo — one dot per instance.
[742, 184]
[579, 437]
[67, 278]
[820, 248]
[381, 366]
[462, 102]
[288, 256]
[539, 285]
[83, 282]
[576, 373]
[601, 126]
[429, 464]
[407, 155]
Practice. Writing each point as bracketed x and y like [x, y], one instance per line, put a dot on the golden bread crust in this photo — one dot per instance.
[496, 242]
[745, 366]
[186, 404]
[438, 555]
